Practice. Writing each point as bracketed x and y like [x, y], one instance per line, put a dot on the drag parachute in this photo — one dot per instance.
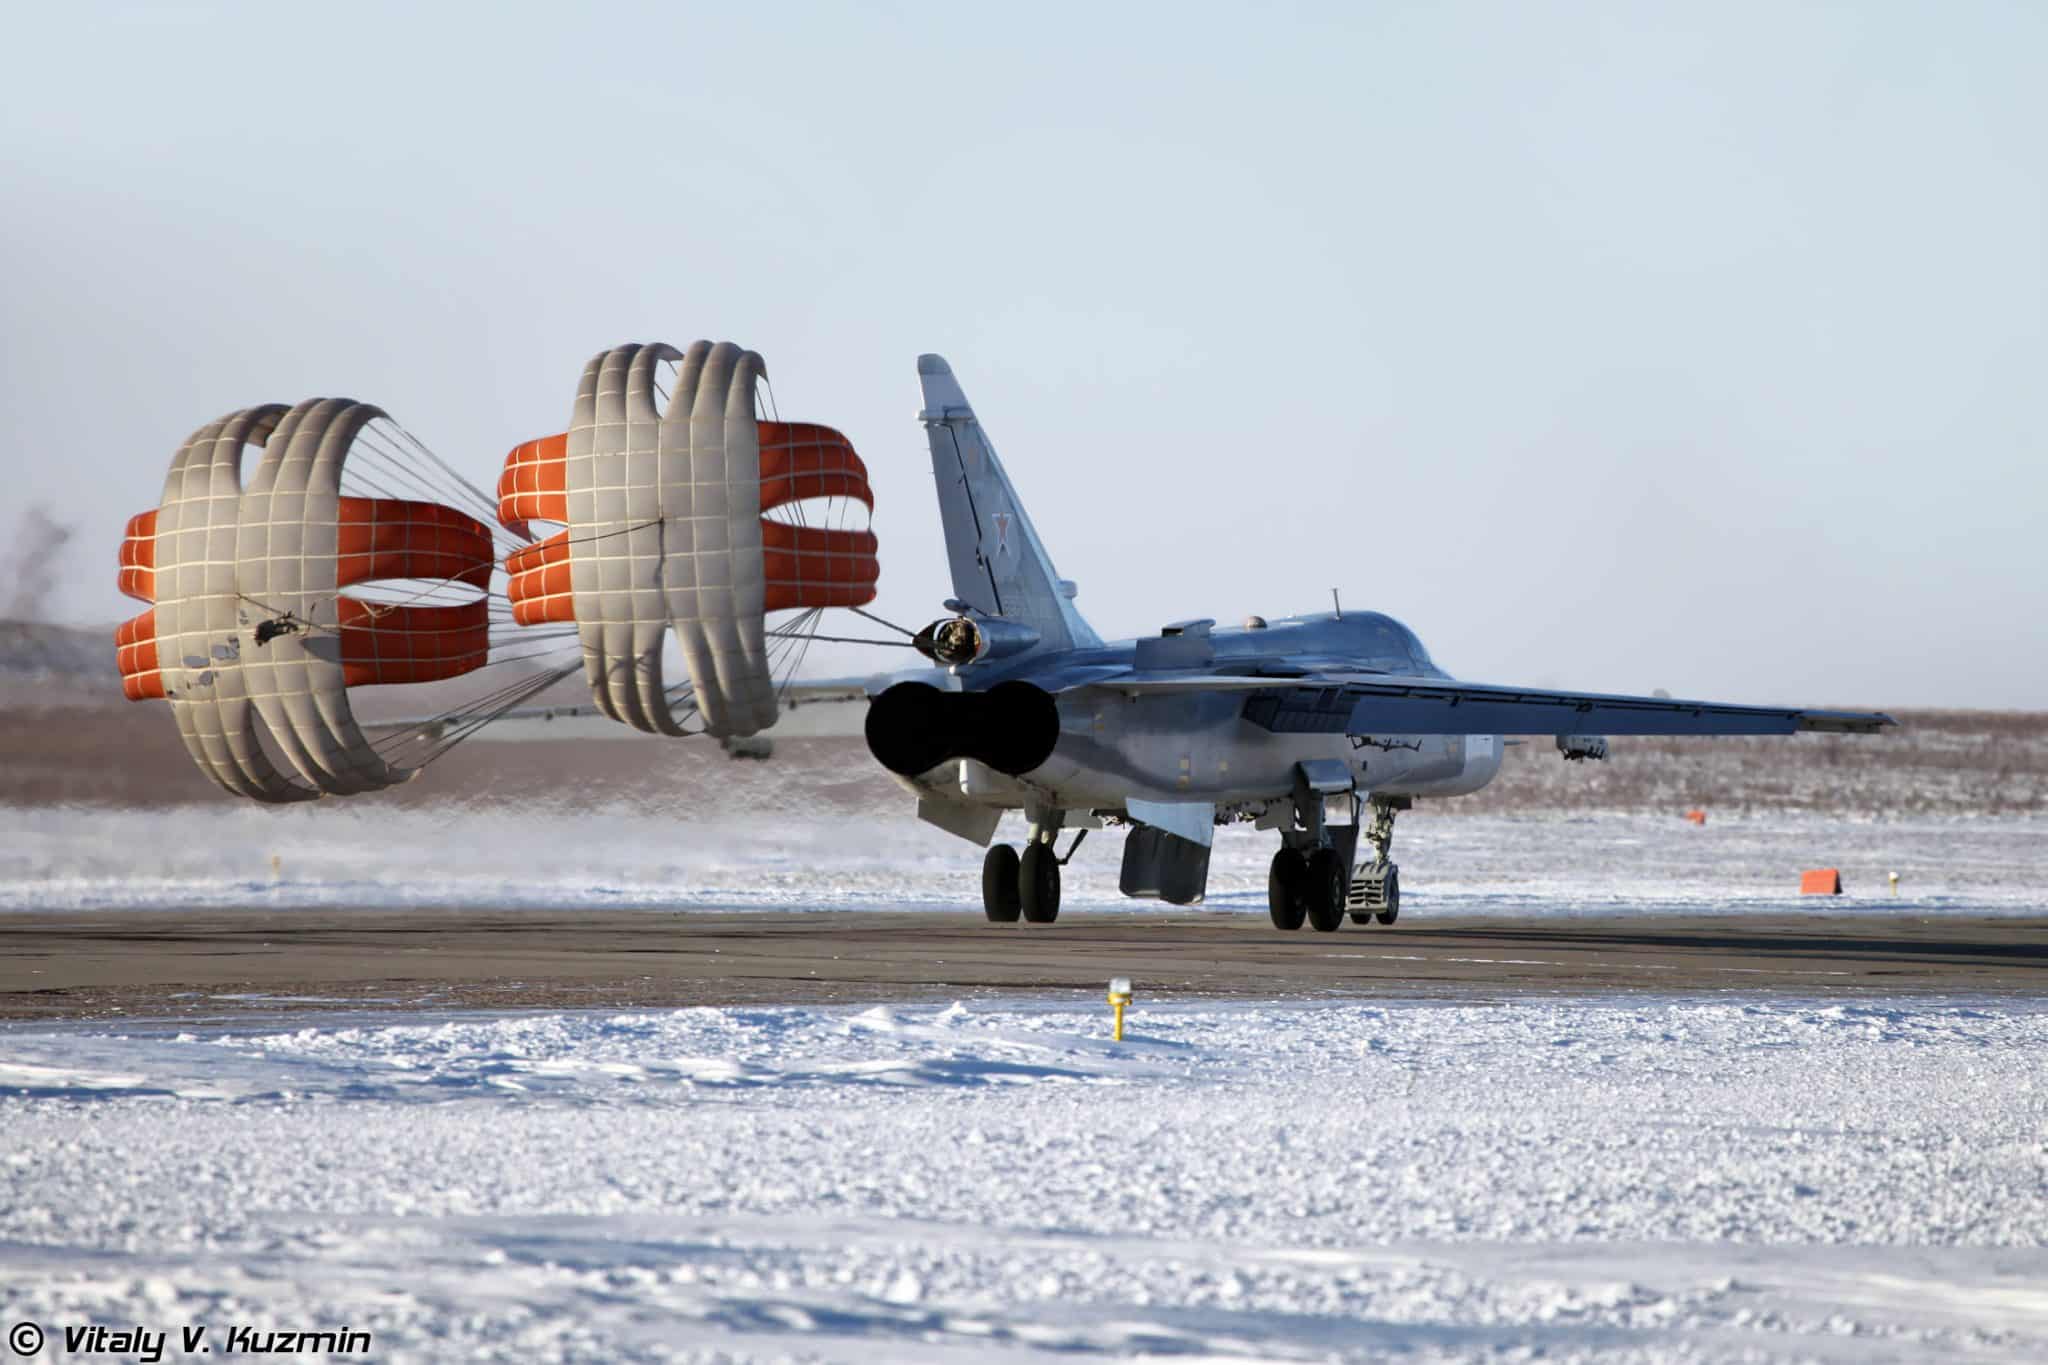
[355, 556]
[249, 621]
[664, 499]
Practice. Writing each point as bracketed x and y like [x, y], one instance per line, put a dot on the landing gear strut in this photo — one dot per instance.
[1376, 889]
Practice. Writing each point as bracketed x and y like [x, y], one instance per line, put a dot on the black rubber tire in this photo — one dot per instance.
[999, 885]
[1038, 884]
[1391, 911]
[1322, 890]
[1283, 890]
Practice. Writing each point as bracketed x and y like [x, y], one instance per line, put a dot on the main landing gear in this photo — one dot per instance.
[1025, 885]
[1306, 887]
[1310, 885]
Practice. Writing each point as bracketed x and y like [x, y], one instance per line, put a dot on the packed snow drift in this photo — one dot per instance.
[1762, 1180]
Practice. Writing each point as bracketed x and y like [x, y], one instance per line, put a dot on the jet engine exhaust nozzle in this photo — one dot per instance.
[913, 727]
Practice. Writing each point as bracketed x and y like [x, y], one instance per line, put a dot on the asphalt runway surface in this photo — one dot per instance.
[179, 965]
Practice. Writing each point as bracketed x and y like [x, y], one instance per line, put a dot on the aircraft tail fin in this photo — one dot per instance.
[1000, 566]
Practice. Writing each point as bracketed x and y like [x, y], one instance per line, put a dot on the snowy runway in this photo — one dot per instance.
[1637, 1180]
[599, 856]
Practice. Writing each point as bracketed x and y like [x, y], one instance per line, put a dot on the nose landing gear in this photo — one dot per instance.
[1376, 889]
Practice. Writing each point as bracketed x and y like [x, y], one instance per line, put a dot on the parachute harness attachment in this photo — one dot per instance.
[287, 624]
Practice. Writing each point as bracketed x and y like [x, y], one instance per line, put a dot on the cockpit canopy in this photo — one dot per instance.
[1385, 644]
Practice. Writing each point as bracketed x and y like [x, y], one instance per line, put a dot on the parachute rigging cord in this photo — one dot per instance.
[359, 556]
[900, 630]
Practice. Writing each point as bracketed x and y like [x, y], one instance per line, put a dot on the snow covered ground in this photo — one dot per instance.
[1640, 1181]
[552, 856]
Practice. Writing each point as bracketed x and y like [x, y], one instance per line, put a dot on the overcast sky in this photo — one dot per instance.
[1616, 346]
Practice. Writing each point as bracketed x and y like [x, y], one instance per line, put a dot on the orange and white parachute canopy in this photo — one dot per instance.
[250, 635]
[347, 561]
[668, 500]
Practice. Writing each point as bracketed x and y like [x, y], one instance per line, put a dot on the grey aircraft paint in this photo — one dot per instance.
[1299, 725]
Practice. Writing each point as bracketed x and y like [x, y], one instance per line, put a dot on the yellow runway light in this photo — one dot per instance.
[1119, 998]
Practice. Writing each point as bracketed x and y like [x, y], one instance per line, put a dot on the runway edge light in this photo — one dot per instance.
[1119, 998]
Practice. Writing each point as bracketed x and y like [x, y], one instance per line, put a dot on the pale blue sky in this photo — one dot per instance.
[1615, 346]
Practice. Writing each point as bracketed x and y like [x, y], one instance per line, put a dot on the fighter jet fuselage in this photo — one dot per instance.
[1299, 725]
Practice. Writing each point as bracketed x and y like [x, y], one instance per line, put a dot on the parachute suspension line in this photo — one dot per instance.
[626, 530]
[477, 720]
[668, 368]
[449, 729]
[881, 622]
[404, 485]
[792, 642]
[842, 639]
[380, 450]
[485, 504]
[544, 647]
[493, 702]
[371, 445]
[803, 652]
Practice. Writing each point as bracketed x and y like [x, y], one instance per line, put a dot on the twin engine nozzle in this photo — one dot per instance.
[914, 727]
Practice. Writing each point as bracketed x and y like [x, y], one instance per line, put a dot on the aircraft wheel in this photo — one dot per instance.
[1390, 896]
[1038, 884]
[999, 884]
[1283, 889]
[1322, 889]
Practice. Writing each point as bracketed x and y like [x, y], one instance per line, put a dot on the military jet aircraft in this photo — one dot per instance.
[1318, 728]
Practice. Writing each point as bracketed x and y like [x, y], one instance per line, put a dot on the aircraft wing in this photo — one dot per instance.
[1372, 703]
